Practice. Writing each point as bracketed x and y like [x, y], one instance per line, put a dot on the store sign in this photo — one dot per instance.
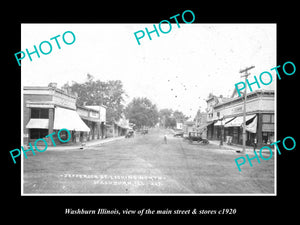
[237, 109]
[94, 114]
[62, 101]
[82, 112]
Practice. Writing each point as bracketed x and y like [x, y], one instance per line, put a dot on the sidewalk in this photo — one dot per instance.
[86, 144]
[232, 147]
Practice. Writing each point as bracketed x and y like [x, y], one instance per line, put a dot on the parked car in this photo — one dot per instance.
[194, 136]
[145, 131]
[129, 134]
[178, 134]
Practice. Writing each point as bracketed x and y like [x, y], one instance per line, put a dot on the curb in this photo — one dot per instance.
[87, 144]
[235, 148]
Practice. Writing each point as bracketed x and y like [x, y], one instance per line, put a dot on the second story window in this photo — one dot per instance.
[39, 113]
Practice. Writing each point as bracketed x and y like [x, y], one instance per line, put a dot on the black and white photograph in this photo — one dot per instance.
[138, 112]
[168, 109]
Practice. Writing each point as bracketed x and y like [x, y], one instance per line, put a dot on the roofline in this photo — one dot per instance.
[48, 88]
[86, 108]
[236, 99]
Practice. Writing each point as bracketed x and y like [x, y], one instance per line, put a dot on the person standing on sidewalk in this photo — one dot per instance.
[165, 139]
[254, 144]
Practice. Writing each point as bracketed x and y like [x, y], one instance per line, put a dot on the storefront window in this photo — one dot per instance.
[268, 137]
[38, 133]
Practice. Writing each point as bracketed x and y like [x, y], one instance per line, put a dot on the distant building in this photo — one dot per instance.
[188, 126]
[118, 128]
[179, 124]
[212, 101]
[201, 123]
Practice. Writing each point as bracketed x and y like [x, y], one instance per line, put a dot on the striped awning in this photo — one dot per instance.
[238, 121]
[224, 121]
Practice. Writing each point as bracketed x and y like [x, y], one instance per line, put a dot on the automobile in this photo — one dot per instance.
[145, 131]
[194, 136]
[129, 134]
[178, 134]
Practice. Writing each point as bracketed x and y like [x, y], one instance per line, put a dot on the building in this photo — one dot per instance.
[188, 126]
[49, 109]
[94, 117]
[201, 123]
[179, 124]
[226, 117]
[118, 128]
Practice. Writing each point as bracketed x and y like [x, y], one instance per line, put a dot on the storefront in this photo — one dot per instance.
[227, 118]
[47, 110]
[94, 117]
[234, 129]
[119, 128]
[66, 118]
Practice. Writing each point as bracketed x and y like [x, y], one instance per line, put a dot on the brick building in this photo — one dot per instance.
[226, 116]
[49, 109]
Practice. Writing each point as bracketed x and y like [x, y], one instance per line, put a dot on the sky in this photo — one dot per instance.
[176, 70]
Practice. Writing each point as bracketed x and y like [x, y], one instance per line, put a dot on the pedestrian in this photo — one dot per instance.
[82, 145]
[165, 139]
[254, 144]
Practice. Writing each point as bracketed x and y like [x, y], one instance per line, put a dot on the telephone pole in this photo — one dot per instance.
[244, 111]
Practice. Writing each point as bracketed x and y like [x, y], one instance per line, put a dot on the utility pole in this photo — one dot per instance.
[244, 111]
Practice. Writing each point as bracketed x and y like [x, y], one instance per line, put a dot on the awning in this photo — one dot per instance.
[69, 119]
[238, 121]
[252, 126]
[204, 125]
[38, 124]
[90, 119]
[224, 121]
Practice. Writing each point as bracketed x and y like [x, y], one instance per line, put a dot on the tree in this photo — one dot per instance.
[169, 118]
[142, 112]
[179, 116]
[164, 116]
[96, 92]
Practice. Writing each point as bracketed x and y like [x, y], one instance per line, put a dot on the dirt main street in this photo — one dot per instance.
[146, 165]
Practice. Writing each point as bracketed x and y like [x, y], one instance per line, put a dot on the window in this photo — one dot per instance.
[267, 137]
[39, 113]
[38, 133]
[272, 118]
[268, 118]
